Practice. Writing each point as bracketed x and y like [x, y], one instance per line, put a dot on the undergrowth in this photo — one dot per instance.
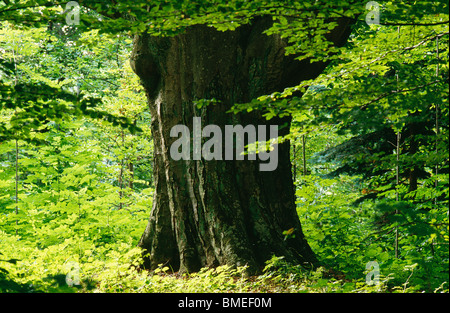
[355, 252]
[52, 270]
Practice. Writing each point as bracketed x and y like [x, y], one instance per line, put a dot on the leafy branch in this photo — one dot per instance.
[393, 92]
[415, 24]
[426, 40]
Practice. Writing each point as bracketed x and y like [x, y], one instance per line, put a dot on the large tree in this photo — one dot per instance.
[213, 212]
[208, 213]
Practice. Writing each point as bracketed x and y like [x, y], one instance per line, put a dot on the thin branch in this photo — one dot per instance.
[425, 41]
[414, 24]
[50, 4]
[392, 92]
[394, 51]
[90, 5]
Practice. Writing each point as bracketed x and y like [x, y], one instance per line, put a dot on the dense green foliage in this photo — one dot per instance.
[369, 147]
[87, 183]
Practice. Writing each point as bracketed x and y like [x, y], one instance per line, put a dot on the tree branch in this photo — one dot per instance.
[50, 4]
[414, 24]
[394, 51]
[392, 92]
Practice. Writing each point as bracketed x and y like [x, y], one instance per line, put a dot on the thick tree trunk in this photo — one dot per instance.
[209, 213]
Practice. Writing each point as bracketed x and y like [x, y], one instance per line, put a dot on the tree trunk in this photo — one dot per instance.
[210, 213]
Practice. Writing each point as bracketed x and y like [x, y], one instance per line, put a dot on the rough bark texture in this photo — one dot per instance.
[209, 213]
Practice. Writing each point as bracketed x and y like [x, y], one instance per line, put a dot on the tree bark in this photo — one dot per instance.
[210, 213]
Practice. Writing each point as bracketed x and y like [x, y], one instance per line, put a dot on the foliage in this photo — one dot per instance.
[44, 79]
[84, 186]
[384, 102]
[371, 174]
[346, 237]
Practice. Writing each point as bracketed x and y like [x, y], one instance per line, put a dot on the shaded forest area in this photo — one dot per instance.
[368, 147]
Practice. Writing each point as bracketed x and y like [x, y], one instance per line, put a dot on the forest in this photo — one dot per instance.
[213, 146]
